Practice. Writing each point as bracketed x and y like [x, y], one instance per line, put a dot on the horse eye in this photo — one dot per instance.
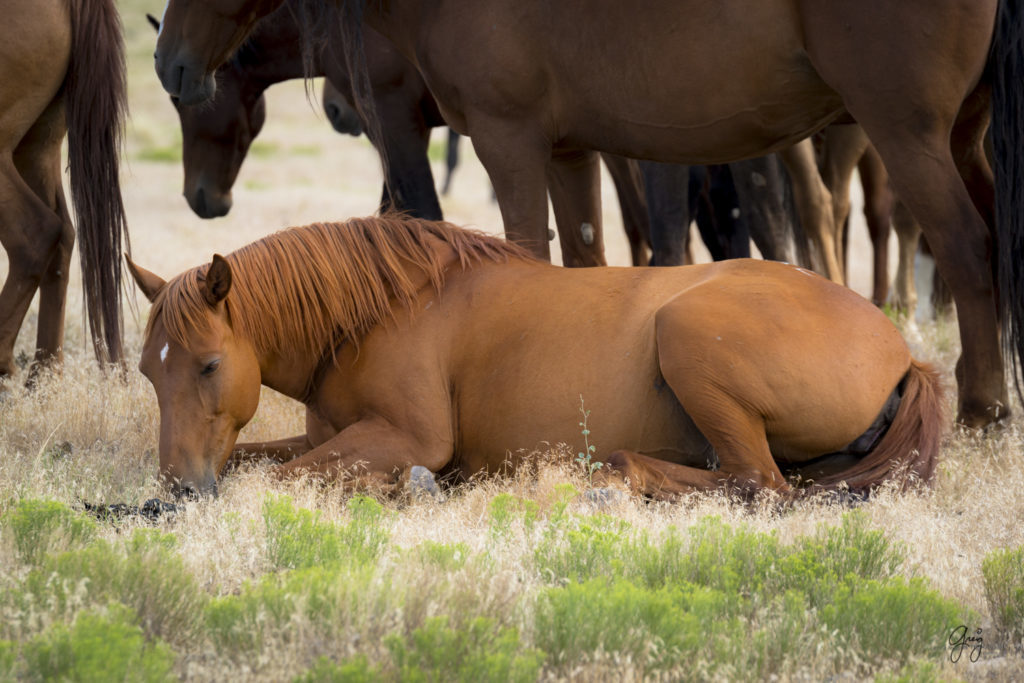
[211, 367]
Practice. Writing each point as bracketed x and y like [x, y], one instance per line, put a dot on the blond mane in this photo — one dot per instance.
[308, 288]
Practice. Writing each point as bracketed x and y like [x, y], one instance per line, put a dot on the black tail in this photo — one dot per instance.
[96, 99]
[1007, 67]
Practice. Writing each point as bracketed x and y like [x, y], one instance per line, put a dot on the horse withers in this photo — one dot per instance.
[418, 343]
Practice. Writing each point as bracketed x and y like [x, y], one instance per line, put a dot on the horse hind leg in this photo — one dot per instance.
[30, 232]
[38, 162]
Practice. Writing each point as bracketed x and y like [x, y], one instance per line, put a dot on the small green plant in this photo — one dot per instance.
[447, 556]
[1003, 571]
[505, 509]
[296, 538]
[585, 458]
[42, 526]
[101, 645]
[147, 575]
[482, 651]
[354, 670]
[894, 619]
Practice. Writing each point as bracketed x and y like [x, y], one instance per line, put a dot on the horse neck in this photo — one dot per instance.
[273, 54]
[293, 373]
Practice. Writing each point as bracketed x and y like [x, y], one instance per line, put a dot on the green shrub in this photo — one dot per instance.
[8, 658]
[102, 645]
[446, 556]
[597, 547]
[324, 597]
[480, 652]
[148, 576]
[655, 628]
[296, 538]
[895, 619]
[355, 670]
[42, 526]
[1003, 571]
[505, 509]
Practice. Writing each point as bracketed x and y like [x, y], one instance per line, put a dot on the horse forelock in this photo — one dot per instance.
[306, 289]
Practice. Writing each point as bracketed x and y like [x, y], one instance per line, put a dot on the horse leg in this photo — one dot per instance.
[908, 234]
[733, 233]
[659, 479]
[279, 450]
[37, 159]
[574, 181]
[666, 188]
[761, 193]
[516, 161]
[878, 206]
[629, 186]
[407, 140]
[451, 160]
[926, 179]
[844, 146]
[814, 204]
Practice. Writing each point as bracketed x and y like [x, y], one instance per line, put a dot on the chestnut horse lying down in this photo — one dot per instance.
[415, 343]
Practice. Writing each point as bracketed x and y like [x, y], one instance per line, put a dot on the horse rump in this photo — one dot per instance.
[909, 449]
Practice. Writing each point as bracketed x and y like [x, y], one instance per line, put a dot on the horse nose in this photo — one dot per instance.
[191, 492]
[212, 205]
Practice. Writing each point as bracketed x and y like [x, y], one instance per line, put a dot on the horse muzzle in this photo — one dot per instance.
[195, 489]
[182, 78]
[209, 204]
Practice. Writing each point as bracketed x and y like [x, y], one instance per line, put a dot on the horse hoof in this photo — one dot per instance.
[605, 498]
[422, 484]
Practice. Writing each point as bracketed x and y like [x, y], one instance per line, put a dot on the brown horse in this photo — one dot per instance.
[538, 85]
[414, 343]
[62, 72]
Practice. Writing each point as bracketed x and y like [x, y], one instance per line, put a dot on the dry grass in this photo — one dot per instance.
[83, 435]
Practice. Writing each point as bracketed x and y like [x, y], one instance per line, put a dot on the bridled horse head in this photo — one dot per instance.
[415, 343]
[539, 85]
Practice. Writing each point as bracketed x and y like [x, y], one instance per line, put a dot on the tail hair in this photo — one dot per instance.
[909, 450]
[96, 101]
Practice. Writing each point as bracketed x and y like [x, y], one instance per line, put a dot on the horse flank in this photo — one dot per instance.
[96, 100]
[307, 288]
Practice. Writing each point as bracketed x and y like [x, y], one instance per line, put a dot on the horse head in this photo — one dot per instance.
[206, 377]
[215, 138]
[197, 36]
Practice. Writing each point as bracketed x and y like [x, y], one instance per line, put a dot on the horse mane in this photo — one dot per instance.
[310, 287]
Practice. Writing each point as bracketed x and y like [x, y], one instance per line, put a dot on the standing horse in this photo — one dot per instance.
[414, 343]
[537, 85]
[62, 73]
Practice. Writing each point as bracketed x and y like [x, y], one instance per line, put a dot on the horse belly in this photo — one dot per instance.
[694, 83]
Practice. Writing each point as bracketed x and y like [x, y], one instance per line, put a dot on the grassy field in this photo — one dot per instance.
[514, 578]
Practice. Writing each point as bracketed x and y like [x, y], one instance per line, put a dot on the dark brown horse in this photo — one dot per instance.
[62, 72]
[418, 344]
[216, 137]
[538, 85]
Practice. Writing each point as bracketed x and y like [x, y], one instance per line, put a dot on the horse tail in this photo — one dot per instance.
[96, 104]
[1006, 64]
[910, 447]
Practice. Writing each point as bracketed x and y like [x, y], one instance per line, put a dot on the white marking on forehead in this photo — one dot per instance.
[163, 352]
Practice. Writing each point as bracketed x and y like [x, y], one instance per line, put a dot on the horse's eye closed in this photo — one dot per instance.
[211, 368]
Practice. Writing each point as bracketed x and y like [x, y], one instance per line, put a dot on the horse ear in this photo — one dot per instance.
[218, 280]
[153, 21]
[148, 282]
